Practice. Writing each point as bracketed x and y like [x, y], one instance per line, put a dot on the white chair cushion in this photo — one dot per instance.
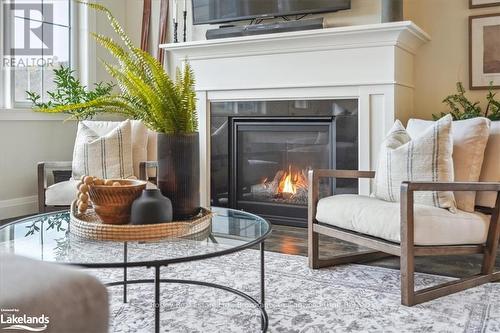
[378, 218]
[425, 158]
[61, 194]
[469, 141]
[491, 166]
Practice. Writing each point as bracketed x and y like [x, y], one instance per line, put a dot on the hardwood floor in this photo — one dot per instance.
[293, 240]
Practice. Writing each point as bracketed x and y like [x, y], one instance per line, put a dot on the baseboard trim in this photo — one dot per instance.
[18, 207]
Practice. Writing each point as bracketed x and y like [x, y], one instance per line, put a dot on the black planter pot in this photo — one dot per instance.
[179, 172]
[151, 207]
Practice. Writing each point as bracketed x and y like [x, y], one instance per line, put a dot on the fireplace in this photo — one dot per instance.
[261, 152]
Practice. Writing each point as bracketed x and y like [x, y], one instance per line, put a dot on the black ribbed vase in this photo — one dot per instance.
[179, 172]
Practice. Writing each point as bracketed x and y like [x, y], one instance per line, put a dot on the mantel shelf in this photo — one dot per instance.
[405, 34]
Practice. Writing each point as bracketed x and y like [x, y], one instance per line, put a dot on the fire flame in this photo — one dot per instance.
[291, 181]
[285, 184]
[288, 185]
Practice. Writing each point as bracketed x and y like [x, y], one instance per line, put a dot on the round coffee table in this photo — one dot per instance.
[46, 237]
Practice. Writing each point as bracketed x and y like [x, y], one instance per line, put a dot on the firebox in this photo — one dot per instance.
[261, 154]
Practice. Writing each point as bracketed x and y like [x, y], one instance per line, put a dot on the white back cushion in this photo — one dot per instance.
[469, 141]
[426, 158]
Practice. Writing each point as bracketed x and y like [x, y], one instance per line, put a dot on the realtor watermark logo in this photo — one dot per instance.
[31, 39]
[12, 319]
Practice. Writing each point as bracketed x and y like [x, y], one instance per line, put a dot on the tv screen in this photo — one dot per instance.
[219, 11]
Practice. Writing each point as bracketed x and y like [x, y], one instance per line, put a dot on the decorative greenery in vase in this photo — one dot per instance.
[68, 91]
[147, 93]
[462, 108]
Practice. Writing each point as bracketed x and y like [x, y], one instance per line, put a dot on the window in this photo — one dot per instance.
[37, 37]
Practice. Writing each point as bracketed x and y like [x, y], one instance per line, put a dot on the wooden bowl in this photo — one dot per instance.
[113, 203]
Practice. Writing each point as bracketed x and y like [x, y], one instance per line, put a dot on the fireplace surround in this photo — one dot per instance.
[372, 64]
[261, 152]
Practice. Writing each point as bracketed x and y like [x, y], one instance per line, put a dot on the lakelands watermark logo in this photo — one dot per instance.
[12, 319]
[30, 41]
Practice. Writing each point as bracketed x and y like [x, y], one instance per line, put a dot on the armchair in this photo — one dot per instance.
[407, 229]
[55, 194]
[407, 249]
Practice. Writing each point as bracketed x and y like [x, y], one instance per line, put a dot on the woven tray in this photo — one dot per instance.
[89, 225]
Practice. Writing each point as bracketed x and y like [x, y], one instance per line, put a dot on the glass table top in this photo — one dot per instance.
[46, 237]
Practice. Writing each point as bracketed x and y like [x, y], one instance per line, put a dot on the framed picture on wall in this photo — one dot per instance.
[484, 51]
[483, 3]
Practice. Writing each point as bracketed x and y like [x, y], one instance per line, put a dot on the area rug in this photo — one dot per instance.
[348, 298]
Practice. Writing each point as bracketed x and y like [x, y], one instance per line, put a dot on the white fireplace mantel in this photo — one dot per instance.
[372, 63]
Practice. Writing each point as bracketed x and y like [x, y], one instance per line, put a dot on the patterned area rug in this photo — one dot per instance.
[349, 298]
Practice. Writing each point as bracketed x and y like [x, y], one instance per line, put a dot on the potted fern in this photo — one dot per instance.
[167, 106]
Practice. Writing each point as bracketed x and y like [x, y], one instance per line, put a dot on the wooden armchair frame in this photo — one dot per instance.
[42, 169]
[406, 250]
[143, 169]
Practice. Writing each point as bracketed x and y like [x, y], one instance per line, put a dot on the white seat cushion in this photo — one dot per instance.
[61, 194]
[378, 218]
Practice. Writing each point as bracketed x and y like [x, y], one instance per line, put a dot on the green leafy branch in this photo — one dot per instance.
[56, 222]
[69, 90]
[462, 108]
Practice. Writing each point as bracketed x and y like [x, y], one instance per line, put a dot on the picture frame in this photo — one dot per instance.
[483, 3]
[484, 51]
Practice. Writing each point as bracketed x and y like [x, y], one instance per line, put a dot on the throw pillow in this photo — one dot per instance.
[425, 158]
[107, 156]
[139, 138]
[469, 141]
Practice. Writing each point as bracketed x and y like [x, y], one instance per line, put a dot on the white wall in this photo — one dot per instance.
[23, 145]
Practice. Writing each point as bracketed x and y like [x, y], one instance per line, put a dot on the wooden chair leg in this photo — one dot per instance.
[407, 280]
[312, 236]
[407, 247]
[312, 247]
[491, 247]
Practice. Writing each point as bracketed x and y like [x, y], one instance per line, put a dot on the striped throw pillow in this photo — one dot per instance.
[108, 156]
[425, 158]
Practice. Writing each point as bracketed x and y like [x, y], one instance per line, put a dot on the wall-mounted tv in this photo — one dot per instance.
[220, 11]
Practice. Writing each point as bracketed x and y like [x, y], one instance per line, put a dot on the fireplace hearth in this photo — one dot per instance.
[262, 151]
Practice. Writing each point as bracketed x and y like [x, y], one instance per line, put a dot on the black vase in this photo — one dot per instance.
[179, 172]
[151, 207]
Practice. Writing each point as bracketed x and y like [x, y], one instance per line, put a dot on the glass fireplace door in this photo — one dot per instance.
[271, 159]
